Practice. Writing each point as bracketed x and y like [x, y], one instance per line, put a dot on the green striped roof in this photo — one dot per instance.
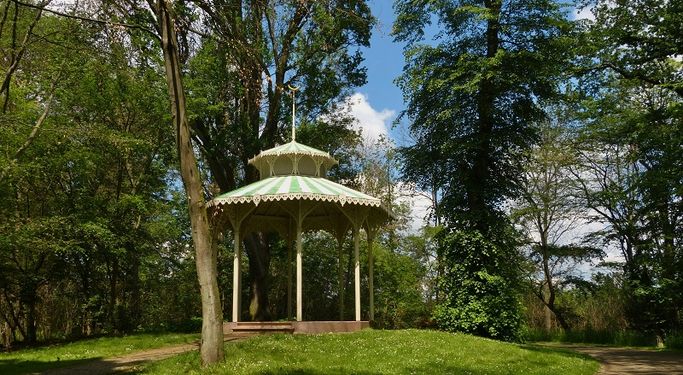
[280, 188]
[293, 148]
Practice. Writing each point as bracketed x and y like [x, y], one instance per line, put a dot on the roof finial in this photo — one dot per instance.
[293, 90]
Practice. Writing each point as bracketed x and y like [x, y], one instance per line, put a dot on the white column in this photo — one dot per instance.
[356, 245]
[370, 277]
[299, 275]
[289, 274]
[340, 277]
[236, 279]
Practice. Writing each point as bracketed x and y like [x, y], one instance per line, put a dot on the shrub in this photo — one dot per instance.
[480, 283]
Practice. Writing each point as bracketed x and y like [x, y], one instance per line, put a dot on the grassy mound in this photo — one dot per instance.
[381, 352]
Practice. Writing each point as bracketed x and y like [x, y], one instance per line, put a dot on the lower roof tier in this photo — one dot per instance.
[283, 188]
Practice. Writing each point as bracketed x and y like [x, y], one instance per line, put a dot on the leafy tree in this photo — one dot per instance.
[402, 297]
[473, 95]
[630, 176]
[547, 212]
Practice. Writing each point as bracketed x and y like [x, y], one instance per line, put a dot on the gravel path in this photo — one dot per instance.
[624, 361]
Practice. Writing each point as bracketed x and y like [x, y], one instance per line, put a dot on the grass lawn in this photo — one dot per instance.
[381, 352]
[71, 354]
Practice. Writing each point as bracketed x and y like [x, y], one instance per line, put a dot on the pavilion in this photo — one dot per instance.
[293, 195]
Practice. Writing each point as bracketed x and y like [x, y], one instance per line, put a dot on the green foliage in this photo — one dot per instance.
[337, 137]
[674, 340]
[480, 284]
[385, 352]
[473, 93]
[399, 293]
[86, 218]
[630, 155]
[638, 40]
[590, 336]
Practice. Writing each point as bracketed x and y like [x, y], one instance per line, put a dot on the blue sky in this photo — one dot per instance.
[384, 61]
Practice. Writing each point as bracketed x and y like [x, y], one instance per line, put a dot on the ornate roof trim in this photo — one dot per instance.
[283, 188]
[294, 148]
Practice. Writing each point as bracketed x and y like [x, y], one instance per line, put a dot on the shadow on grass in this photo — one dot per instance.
[435, 368]
[17, 366]
[552, 350]
[428, 368]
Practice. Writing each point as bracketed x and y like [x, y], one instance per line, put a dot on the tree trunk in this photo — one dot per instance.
[206, 256]
[135, 306]
[113, 275]
[549, 300]
[31, 336]
[259, 272]
[476, 196]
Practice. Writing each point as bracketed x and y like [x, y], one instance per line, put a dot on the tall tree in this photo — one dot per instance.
[472, 94]
[206, 252]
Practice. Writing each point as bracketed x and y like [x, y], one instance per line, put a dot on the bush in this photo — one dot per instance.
[191, 325]
[674, 340]
[481, 287]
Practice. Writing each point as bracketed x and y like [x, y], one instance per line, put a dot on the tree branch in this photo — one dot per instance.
[87, 19]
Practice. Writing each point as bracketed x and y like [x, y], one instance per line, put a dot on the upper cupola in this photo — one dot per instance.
[293, 158]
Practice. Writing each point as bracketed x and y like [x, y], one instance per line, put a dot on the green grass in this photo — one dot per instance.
[71, 354]
[381, 352]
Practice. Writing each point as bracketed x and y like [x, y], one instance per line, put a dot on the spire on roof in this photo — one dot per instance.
[293, 90]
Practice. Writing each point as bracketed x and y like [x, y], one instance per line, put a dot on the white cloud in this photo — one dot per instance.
[585, 13]
[373, 124]
[370, 122]
[419, 204]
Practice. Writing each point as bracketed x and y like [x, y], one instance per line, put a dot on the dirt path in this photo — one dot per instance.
[127, 362]
[623, 361]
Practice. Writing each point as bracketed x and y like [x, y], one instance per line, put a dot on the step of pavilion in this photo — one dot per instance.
[257, 328]
[305, 327]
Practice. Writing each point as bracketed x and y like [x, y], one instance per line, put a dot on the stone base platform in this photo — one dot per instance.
[307, 327]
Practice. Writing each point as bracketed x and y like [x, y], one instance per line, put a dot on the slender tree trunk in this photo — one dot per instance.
[550, 289]
[206, 256]
[135, 305]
